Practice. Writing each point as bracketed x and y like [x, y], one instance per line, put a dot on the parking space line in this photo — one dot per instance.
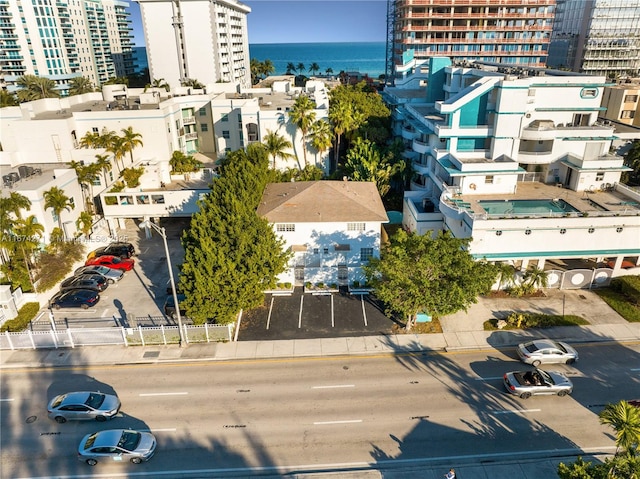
[334, 386]
[6, 400]
[321, 423]
[364, 313]
[104, 313]
[333, 322]
[270, 310]
[163, 394]
[515, 411]
[300, 313]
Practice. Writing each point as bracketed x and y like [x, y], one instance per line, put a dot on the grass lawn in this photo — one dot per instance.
[620, 303]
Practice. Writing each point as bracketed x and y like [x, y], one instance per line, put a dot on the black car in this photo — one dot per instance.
[75, 298]
[97, 282]
[122, 250]
[170, 306]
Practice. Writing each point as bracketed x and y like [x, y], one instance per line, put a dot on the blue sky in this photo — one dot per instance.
[305, 21]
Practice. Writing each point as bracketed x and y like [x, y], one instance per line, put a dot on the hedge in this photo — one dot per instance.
[20, 322]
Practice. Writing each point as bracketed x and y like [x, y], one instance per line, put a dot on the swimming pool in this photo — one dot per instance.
[520, 207]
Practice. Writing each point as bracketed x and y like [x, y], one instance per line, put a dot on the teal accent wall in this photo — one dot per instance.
[437, 78]
[469, 144]
[474, 112]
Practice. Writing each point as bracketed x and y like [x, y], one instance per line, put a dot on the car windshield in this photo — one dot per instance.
[102, 269]
[129, 440]
[90, 440]
[561, 348]
[116, 260]
[545, 376]
[95, 400]
[56, 402]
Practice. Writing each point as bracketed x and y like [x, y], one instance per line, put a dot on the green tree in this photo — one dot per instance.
[55, 199]
[303, 116]
[84, 223]
[35, 88]
[506, 274]
[632, 160]
[118, 150]
[536, 277]
[131, 176]
[117, 81]
[365, 162]
[181, 163]
[157, 83]
[86, 175]
[192, 82]
[7, 99]
[130, 141]
[104, 164]
[424, 274]
[291, 68]
[300, 67]
[80, 85]
[231, 254]
[314, 68]
[329, 71]
[617, 467]
[28, 233]
[625, 420]
[277, 146]
[321, 136]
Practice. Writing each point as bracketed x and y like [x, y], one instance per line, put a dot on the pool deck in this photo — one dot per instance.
[610, 202]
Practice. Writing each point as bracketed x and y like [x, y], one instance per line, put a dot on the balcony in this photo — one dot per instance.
[420, 147]
[189, 120]
[191, 136]
[409, 133]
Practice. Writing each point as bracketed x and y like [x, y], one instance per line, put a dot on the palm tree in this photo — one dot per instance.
[35, 88]
[28, 230]
[11, 213]
[314, 67]
[625, 420]
[90, 140]
[130, 140]
[157, 83]
[329, 71]
[104, 164]
[536, 277]
[117, 150]
[192, 82]
[303, 116]
[7, 99]
[277, 146]
[55, 199]
[341, 117]
[80, 85]
[321, 136]
[84, 223]
[506, 273]
[117, 81]
[291, 68]
[300, 67]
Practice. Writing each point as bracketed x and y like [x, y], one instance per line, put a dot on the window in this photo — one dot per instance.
[531, 92]
[498, 233]
[355, 226]
[488, 179]
[563, 231]
[204, 127]
[600, 176]
[630, 98]
[325, 250]
[628, 114]
[343, 247]
[225, 134]
[589, 93]
[285, 227]
[618, 229]
[202, 112]
[591, 230]
[316, 251]
[225, 117]
[366, 254]
[343, 273]
[527, 232]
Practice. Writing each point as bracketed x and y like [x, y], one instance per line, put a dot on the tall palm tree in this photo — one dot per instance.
[341, 117]
[84, 223]
[130, 140]
[291, 68]
[300, 67]
[625, 420]
[29, 231]
[80, 85]
[321, 136]
[118, 151]
[303, 116]
[10, 215]
[104, 164]
[157, 83]
[314, 67]
[506, 273]
[90, 140]
[277, 146]
[536, 277]
[35, 88]
[7, 99]
[55, 199]
[329, 71]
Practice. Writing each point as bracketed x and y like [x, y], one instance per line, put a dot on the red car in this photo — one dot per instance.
[111, 262]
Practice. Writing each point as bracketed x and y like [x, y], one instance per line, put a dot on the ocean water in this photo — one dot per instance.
[366, 58]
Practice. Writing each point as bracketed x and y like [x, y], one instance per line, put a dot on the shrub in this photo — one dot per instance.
[181, 163]
[56, 263]
[356, 284]
[287, 285]
[334, 286]
[132, 176]
[25, 316]
[320, 285]
[307, 284]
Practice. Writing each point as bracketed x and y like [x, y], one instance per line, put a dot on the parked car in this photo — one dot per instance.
[82, 406]
[122, 250]
[96, 282]
[546, 351]
[114, 262]
[170, 306]
[112, 275]
[75, 298]
[117, 445]
[529, 383]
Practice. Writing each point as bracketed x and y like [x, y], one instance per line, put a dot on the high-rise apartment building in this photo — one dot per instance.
[203, 40]
[514, 32]
[599, 37]
[61, 39]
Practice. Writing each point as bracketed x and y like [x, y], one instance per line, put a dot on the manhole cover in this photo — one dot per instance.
[582, 296]
[31, 419]
[151, 354]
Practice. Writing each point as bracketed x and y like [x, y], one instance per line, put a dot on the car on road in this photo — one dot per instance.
[117, 445]
[170, 306]
[75, 298]
[537, 382]
[96, 282]
[546, 351]
[83, 406]
[112, 275]
[122, 250]
[111, 261]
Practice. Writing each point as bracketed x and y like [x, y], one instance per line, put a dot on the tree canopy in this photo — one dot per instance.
[231, 254]
[420, 273]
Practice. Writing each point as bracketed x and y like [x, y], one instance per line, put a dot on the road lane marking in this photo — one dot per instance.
[489, 378]
[516, 411]
[270, 310]
[333, 322]
[164, 394]
[323, 423]
[364, 313]
[300, 313]
[335, 386]
[635, 369]
[6, 400]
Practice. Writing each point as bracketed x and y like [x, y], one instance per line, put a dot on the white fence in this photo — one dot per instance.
[140, 336]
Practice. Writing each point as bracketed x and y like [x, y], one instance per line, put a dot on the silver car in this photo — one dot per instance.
[117, 445]
[546, 351]
[111, 274]
[537, 382]
[82, 406]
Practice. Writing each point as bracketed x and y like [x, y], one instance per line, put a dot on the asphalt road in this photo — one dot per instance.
[244, 418]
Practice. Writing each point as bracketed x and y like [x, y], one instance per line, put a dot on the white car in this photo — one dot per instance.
[546, 351]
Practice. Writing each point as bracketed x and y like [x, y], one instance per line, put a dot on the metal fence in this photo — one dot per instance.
[139, 336]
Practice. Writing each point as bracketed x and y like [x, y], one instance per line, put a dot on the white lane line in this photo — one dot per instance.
[333, 322]
[335, 386]
[6, 400]
[104, 313]
[516, 411]
[635, 369]
[323, 423]
[300, 314]
[364, 313]
[163, 394]
[489, 378]
[270, 309]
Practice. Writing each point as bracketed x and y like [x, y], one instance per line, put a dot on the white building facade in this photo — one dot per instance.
[197, 39]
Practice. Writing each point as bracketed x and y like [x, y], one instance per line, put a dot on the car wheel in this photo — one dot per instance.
[101, 418]
[92, 462]
[111, 281]
[562, 393]
[85, 306]
[525, 395]
[571, 360]
[535, 363]
[136, 460]
[60, 419]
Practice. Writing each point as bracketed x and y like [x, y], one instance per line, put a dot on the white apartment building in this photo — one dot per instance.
[197, 39]
[63, 39]
[517, 160]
